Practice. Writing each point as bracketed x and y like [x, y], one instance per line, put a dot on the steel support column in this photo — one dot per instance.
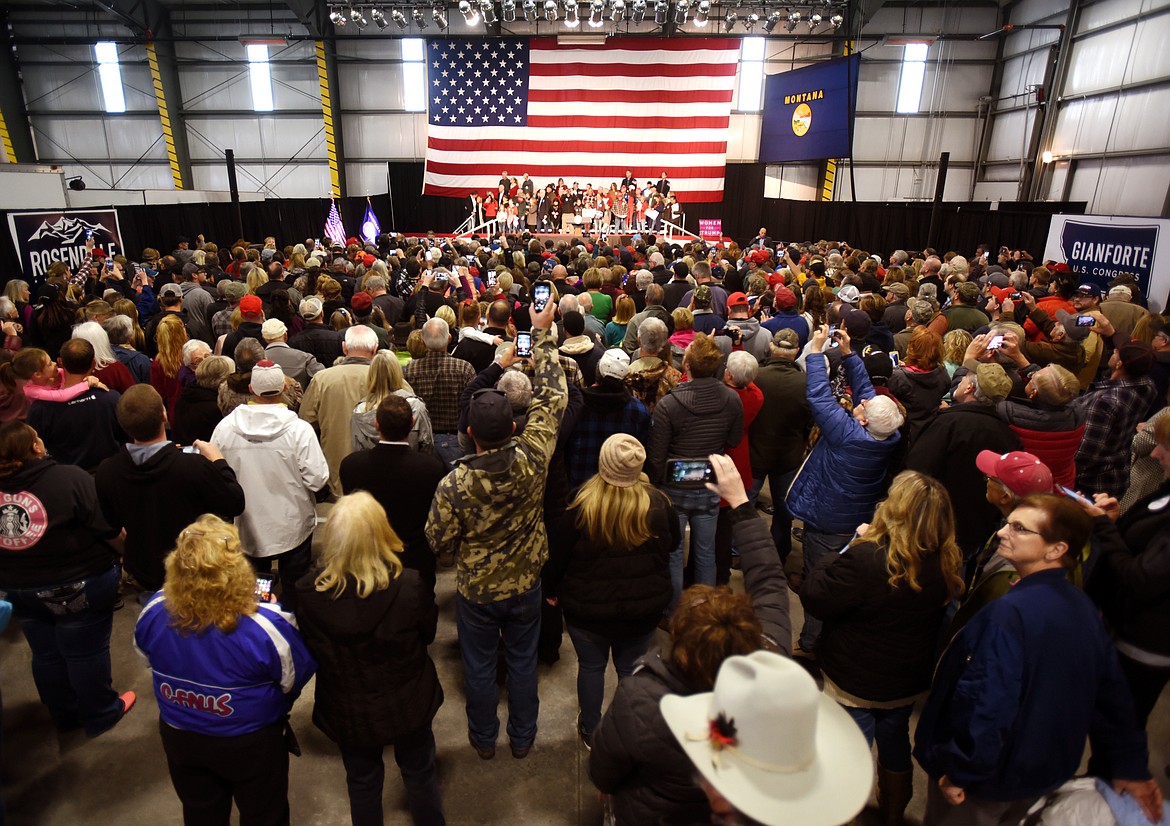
[16, 141]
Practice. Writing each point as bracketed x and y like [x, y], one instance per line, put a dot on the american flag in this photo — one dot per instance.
[582, 113]
[334, 230]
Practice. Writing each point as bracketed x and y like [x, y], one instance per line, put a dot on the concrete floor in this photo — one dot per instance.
[121, 777]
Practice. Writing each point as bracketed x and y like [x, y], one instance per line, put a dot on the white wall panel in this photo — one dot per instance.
[900, 139]
[1009, 133]
[211, 88]
[1125, 55]
[393, 137]
[743, 138]
[1004, 173]
[1036, 11]
[1057, 177]
[102, 137]
[934, 18]
[953, 88]
[1122, 186]
[991, 191]
[371, 49]
[1096, 15]
[1020, 72]
[372, 86]
[256, 137]
[291, 181]
[1134, 120]
[901, 184]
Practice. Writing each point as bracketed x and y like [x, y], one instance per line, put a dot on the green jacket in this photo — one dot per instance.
[488, 511]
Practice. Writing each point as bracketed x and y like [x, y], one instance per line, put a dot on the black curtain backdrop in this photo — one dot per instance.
[879, 227]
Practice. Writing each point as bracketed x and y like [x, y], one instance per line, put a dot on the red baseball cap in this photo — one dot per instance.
[737, 300]
[98, 252]
[1021, 473]
[785, 299]
[251, 306]
[361, 302]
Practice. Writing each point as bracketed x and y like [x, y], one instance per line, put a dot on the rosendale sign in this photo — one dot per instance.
[43, 238]
[1100, 247]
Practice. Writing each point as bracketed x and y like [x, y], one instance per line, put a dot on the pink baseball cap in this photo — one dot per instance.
[1021, 473]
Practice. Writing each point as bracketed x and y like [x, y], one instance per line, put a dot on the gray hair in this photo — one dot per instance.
[656, 259]
[518, 388]
[883, 416]
[245, 269]
[212, 371]
[92, 332]
[120, 329]
[742, 368]
[569, 304]
[586, 302]
[362, 338]
[436, 335]
[248, 351]
[899, 257]
[1019, 280]
[190, 348]
[7, 308]
[375, 282]
[655, 294]
[652, 335]
[643, 279]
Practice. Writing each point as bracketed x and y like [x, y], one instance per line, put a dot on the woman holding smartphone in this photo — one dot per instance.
[369, 621]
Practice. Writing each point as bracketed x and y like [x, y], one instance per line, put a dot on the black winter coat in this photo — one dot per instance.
[196, 414]
[616, 592]
[920, 394]
[692, 421]
[324, 343]
[635, 758]
[878, 642]
[1132, 579]
[376, 682]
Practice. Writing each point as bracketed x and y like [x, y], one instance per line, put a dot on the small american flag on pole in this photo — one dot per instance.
[334, 230]
[582, 113]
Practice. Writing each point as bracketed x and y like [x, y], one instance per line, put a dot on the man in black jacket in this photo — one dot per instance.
[480, 353]
[154, 490]
[323, 342]
[402, 480]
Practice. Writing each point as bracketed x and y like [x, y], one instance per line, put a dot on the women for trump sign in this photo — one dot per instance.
[808, 112]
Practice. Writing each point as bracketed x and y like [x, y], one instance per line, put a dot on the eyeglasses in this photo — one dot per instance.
[1021, 530]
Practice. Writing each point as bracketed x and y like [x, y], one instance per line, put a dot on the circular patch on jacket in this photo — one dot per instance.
[23, 520]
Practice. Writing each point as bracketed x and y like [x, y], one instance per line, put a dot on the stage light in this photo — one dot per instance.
[571, 18]
[660, 10]
[770, 23]
[488, 9]
[358, 18]
[681, 9]
[420, 19]
[793, 19]
[638, 11]
[439, 15]
[837, 21]
[619, 11]
[550, 10]
[529, 10]
[729, 21]
[701, 12]
[379, 17]
[508, 11]
[597, 14]
[814, 20]
[338, 18]
[750, 21]
[399, 18]
[76, 184]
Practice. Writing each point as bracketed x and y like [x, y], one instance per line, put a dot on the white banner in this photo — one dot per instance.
[1101, 247]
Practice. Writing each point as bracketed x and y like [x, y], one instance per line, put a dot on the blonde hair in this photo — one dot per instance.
[447, 314]
[955, 344]
[614, 516]
[170, 335]
[683, 319]
[1055, 385]
[209, 581]
[255, 278]
[624, 309]
[384, 377]
[359, 544]
[916, 521]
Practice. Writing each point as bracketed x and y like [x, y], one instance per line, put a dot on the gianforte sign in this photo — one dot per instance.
[1101, 247]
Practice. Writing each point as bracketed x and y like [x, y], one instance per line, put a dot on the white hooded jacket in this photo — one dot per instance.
[280, 465]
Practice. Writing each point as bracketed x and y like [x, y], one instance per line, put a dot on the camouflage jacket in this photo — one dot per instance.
[488, 511]
[650, 378]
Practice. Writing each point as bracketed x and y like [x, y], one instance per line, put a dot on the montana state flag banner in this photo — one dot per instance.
[807, 112]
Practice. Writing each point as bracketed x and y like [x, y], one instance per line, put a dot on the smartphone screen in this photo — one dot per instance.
[995, 343]
[190, 449]
[1085, 321]
[689, 471]
[894, 359]
[263, 587]
[1073, 495]
[833, 336]
[491, 279]
[540, 296]
[524, 345]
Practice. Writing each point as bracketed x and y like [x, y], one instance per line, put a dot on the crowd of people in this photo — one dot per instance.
[518, 205]
[977, 451]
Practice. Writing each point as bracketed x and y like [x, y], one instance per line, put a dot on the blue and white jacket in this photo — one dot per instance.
[224, 684]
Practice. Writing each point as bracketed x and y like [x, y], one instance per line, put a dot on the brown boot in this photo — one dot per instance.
[894, 790]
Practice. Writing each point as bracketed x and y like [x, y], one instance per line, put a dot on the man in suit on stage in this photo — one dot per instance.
[663, 185]
[527, 186]
[763, 240]
[629, 180]
[543, 206]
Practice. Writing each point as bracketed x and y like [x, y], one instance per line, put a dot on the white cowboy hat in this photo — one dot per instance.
[773, 745]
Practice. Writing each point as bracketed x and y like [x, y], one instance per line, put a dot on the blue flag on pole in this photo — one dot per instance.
[370, 226]
[807, 112]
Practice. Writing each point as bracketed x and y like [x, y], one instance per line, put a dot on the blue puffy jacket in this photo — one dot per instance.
[841, 481]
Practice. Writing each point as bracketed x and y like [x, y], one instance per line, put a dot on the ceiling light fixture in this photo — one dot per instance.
[508, 11]
[420, 19]
[750, 21]
[571, 18]
[770, 23]
[597, 14]
[681, 9]
[550, 10]
[701, 12]
[488, 9]
[379, 17]
[529, 10]
[837, 21]
[638, 11]
[439, 15]
[660, 10]
[358, 18]
[470, 15]
[793, 19]
[729, 21]
[814, 20]
[337, 18]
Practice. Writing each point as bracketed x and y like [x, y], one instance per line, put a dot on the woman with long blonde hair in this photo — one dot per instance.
[385, 378]
[227, 669]
[883, 600]
[609, 569]
[368, 621]
[171, 335]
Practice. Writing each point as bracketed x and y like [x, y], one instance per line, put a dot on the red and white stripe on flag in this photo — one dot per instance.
[648, 105]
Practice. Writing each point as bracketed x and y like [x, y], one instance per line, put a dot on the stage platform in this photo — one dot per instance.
[617, 239]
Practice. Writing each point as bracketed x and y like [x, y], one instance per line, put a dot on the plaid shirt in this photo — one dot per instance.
[438, 379]
[1112, 408]
[594, 426]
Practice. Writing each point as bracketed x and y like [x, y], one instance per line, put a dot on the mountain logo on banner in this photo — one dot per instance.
[801, 120]
[69, 230]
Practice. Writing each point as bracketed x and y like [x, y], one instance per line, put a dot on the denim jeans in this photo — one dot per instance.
[778, 483]
[447, 448]
[68, 629]
[593, 652]
[365, 771]
[480, 626]
[890, 727]
[817, 546]
[699, 508]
